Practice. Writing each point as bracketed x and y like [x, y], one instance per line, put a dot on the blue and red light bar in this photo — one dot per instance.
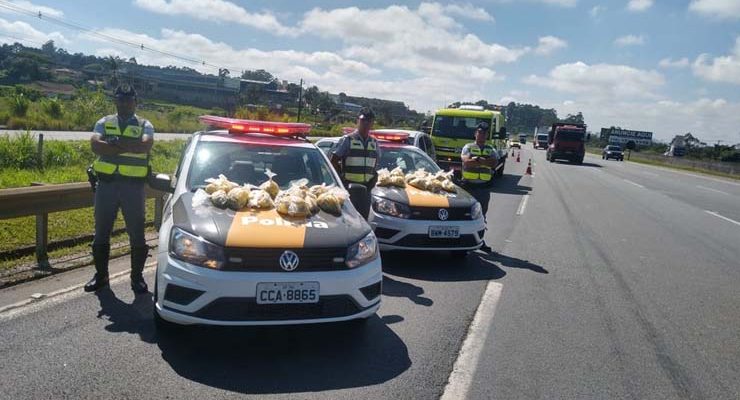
[235, 125]
[390, 135]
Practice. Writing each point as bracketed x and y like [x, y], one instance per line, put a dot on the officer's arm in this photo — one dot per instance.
[336, 162]
[103, 148]
[468, 161]
[138, 147]
[490, 162]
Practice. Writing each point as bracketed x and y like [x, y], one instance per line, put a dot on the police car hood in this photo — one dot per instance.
[268, 229]
[421, 198]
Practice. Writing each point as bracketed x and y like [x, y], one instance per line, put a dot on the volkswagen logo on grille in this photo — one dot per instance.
[289, 260]
[443, 214]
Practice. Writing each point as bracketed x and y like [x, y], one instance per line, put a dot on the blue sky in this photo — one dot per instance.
[665, 66]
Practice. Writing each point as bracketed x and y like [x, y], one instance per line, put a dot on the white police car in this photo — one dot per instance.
[254, 267]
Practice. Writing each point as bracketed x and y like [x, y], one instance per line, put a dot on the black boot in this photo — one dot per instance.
[138, 259]
[101, 254]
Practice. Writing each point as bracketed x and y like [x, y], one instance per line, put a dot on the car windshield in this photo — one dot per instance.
[456, 127]
[408, 158]
[613, 148]
[325, 146]
[541, 137]
[569, 136]
[246, 164]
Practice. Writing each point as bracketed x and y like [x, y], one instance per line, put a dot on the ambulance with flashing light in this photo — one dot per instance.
[255, 267]
[412, 219]
[453, 128]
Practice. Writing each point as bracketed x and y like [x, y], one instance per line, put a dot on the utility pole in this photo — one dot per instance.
[300, 100]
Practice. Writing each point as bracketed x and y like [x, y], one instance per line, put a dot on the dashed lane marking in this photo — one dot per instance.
[722, 217]
[634, 183]
[711, 190]
[463, 371]
[522, 205]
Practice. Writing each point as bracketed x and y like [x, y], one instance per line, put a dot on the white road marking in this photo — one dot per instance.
[634, 183]
[461, 377]
[522, 205]
[712, 190]
[722, 217]
[70, 292]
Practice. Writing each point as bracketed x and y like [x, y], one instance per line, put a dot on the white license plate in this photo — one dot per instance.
[287, 292]
[444, 232]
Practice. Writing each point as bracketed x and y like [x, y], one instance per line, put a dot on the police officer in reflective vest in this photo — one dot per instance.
[479, 160]
[122, 143]
[356, 154]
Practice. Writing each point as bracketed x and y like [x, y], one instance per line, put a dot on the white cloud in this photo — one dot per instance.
[720, 69]
[548, 44]
[630, 40]
[596, 11]
[425, 41]
[44, 10]
[600, 81]
[639, 5]
[19, 31]
[670, 63]
[469, 11]
[716, 8]
[217, 10]
[562, 3]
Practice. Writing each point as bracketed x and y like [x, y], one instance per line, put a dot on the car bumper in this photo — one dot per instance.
[229, 298]
[409, 234]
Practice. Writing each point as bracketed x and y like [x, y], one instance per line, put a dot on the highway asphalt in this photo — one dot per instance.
[613, 280]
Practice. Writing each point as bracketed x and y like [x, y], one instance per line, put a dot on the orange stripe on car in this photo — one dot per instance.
[420, 198]
[265, 229]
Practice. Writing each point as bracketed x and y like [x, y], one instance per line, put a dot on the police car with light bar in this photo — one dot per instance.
[412, 219]
[254, 267]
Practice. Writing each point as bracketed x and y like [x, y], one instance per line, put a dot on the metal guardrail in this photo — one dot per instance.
[40, 199]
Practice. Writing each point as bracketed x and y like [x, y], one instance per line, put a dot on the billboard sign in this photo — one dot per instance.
[622, 136]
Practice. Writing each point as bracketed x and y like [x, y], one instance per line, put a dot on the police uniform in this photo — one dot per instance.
[121, 184]
[359, 158]
[477, 180]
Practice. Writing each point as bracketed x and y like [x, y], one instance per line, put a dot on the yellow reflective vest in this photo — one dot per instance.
[133, 165]
[481, 173]
[359, 164]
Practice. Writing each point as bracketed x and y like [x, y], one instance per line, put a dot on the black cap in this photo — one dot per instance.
[482, 126]
[124, 91]
[366, 113]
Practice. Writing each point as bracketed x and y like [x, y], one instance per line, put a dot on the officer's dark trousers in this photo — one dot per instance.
[482, 193]
[129, 196]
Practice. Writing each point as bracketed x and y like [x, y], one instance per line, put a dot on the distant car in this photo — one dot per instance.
[612, 151]
[540, 142]
[420, 140]
[523, 139]
[515, 143]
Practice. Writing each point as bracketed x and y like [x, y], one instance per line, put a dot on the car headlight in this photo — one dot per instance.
[362, 252]
[476, 211]
[195, 250]
[392, 208]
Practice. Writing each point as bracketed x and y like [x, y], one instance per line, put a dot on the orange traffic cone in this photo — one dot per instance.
[529, 168]
[512, 152]
[517, 157]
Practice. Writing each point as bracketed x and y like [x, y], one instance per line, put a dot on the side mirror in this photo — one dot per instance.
[359, 197]
[502, 131]
[162, 183]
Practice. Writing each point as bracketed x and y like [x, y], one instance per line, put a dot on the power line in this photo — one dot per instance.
[75, 26]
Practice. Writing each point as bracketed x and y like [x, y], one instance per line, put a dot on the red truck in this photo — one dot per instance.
[566, 141]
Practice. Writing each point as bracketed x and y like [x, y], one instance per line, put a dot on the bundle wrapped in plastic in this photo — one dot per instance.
[391, 178]
[219, 199]
[221, 183]
[318, 190]
[238, 198]
[313, 204]
[270, 186]
[449, 186]
[419, 182]
[433, 185]
[330, 203]
[260, 199]
[292, 205]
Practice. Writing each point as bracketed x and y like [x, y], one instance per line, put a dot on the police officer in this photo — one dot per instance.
[122, 142]
[356, 154]
[479, 161]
